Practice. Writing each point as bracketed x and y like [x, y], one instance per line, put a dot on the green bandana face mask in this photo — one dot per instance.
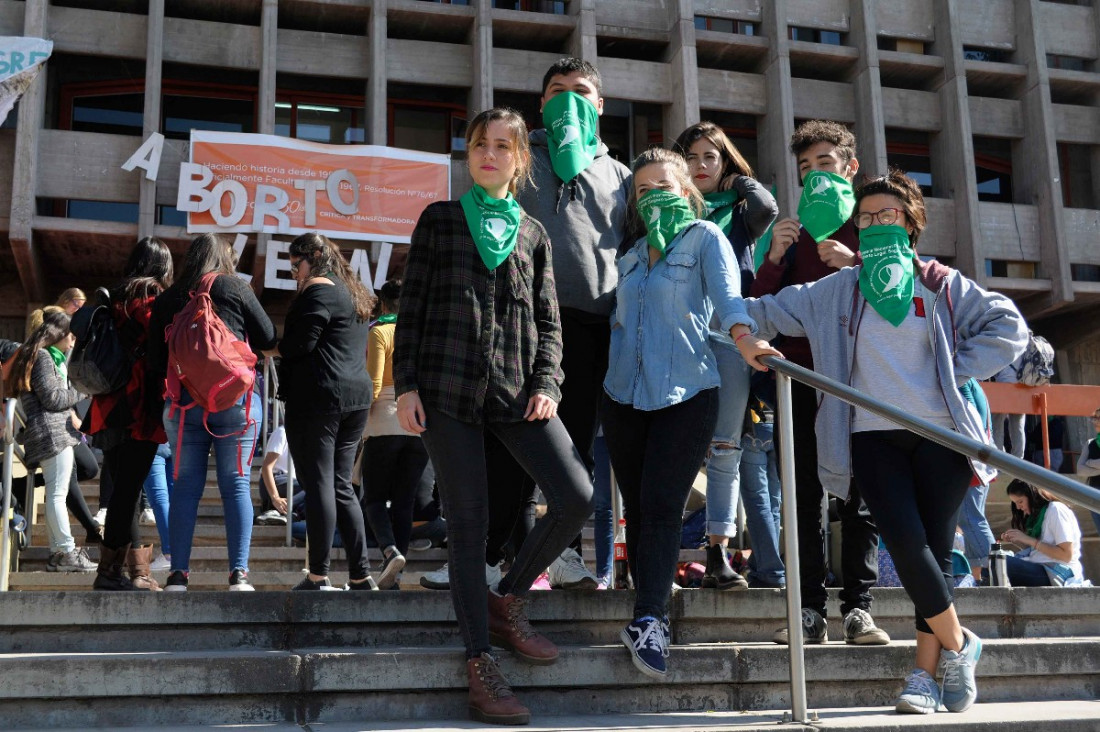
[827, 202]
[571, 122]
[720, 208]
[665, 215]
[886, 277]
[493, 222]
[386, 319]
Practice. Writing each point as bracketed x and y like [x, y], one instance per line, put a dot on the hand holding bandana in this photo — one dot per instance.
[665, 215]
[571, 122]
[493, 222]
[827, 202]
[886, 277]
[720, 208]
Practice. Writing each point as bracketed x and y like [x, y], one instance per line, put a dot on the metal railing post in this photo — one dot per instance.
[289, 500]
[784, 422]
[6, 436]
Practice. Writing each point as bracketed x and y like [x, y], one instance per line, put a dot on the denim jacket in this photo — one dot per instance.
[660, 355]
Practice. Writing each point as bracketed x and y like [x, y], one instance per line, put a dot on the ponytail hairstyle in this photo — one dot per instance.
[678, 166]
[325, 260]
[389, 296]
[54, 327]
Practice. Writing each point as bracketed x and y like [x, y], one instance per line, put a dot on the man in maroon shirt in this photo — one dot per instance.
[795, 258]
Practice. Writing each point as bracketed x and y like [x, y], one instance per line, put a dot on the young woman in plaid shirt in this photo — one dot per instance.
[478, 349]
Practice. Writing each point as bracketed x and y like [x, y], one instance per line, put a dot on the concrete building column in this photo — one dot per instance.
[867, 83]
[269, 41]
[1037, 179]
[481, 41]
[777, 125]
[583, 42]
[154, 45]
[952, 148]
[376, 123]
[32, 108]
[683, 70]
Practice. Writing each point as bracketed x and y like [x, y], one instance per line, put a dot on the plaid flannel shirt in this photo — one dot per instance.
[476, 344]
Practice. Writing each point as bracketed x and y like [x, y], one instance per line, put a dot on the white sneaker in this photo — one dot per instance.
[568, 572]
[101, 517]
[148, 518]
[492, 575]
[161, 563]
[439, 579]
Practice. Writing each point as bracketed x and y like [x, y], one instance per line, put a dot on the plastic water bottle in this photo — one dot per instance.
[621, 572]
[998, 566]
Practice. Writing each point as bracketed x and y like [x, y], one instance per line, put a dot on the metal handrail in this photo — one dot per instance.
[7, 438]
[1058, 485]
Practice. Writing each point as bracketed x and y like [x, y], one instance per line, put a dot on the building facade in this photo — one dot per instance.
[990, 104]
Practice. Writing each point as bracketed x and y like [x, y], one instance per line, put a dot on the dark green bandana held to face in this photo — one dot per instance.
[493, 222]
[827, 202]
[886, 276]
[665, 214]
[720, 208]
[571, 123]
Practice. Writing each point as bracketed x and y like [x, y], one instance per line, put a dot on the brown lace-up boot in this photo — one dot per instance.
[510, 628]
[491, 698]
[137, 560]
[109, 574]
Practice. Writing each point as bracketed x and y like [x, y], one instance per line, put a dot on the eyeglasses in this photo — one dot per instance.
[294, 266]
[884, 216]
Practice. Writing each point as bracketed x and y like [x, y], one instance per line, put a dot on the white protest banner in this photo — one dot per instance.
[20, 59]
[238, 182]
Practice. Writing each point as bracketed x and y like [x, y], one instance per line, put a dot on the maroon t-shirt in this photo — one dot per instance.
[800, 264]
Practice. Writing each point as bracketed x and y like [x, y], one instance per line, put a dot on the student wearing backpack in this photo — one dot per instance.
[126, 423]
[323, 380]
[208, 271]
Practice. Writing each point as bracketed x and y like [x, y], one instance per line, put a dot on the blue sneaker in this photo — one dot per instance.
[648, 646]
[959, 687]
[921, 694]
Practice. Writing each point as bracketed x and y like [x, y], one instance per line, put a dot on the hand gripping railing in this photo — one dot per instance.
[7, 433]
[1060, 486]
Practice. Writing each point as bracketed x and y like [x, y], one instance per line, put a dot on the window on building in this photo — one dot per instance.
[416, 125]
[532, 6]
[908, 150]
[193, 107]
[114, 113]
[329, 119]
[993, 169]
[725, 25]
[1015, 269]
[1075, 164]
[1068, 63]
[814, 35]
[901, 45]
[448, 2]
[977, 53]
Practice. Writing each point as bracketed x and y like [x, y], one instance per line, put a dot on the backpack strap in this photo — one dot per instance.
[206, 283]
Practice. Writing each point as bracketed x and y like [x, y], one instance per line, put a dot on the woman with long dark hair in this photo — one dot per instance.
[126, 424]
[192, 430]
[1050, 536]
[323, 380]
[39, 378]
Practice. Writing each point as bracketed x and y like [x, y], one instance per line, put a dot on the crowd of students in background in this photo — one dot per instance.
[563, 293]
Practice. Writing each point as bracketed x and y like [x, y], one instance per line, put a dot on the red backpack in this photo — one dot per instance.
[207, 358]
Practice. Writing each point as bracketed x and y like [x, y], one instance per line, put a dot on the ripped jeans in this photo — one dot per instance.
[724, 455]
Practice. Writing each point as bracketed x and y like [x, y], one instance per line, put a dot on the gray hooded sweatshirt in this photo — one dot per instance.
[586, 221]
[974, 334]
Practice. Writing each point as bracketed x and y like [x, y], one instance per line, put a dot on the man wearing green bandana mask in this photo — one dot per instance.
[580, 196]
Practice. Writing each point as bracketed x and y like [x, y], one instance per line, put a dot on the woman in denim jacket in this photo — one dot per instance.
[661, 390]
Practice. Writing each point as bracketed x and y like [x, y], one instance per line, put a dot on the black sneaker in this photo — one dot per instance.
[309, 585]
[238, 581]
[177, 582]
[645, 639]
[367, 585]
[392, 564]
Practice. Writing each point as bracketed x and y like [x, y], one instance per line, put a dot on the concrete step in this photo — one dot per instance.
[205, 535]
[322, 685]
[1048, 716]
[33, 622]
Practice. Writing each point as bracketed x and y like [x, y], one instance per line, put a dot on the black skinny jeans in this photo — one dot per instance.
[656, 456]
[323, 448]
[858, 534]
[128, 464]
[915, 489]
[85, 467]
[513, 501]
[544, 450]
[396, 469]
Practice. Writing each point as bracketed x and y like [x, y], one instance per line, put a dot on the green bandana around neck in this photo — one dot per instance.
[387, 318]
[493, 222]
[59, 360]
[763, 244]
[720, 208]
[886, 277]
[1033, 525]
[1097, 440]
[571, 123]
[665, 215]
[827, 202]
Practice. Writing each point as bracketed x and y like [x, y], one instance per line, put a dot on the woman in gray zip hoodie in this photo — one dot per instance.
[909, 333]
